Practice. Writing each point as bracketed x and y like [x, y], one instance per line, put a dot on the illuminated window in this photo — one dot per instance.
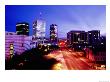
[77, 33]
[78, 39]
[11, 47]
[102, 43]
[11, 51]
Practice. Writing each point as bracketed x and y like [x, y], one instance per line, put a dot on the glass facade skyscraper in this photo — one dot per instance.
[39, 30]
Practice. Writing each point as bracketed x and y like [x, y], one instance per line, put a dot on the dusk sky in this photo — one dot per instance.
[67, 17]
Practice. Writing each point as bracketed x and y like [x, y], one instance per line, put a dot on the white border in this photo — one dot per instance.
[2, 36]
[53, 76]
[56, 2]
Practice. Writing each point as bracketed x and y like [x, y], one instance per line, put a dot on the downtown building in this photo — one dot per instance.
[77, 39]
[22, 28]
[39, 31]
[9, 44]
[53, 34]
[89, 38]
[14, 44]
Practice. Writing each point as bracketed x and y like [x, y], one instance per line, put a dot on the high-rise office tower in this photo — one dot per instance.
[39, 30]
[22, 28]
[53, 34]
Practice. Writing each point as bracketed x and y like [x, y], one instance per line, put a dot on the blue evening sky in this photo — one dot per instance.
[67, 17]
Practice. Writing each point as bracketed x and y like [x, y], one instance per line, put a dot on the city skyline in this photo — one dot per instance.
[67, 17]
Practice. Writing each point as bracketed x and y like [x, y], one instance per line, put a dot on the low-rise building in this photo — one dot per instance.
[14, 44]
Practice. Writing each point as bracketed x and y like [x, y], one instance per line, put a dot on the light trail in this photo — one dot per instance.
[69, 60]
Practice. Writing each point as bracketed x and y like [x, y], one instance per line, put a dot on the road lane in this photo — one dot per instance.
[70, 60]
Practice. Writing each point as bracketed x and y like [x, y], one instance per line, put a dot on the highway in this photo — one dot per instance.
[70, 60]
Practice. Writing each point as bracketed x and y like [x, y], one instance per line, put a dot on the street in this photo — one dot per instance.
[70, 60]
